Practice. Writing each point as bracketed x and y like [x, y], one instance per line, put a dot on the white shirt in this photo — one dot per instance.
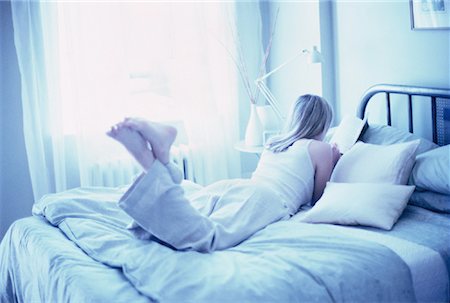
[289, 173]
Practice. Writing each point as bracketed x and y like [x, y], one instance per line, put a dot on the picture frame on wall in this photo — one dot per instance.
[430, 14]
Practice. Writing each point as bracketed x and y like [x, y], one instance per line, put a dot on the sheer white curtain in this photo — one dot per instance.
[29, 37]
[85, 66]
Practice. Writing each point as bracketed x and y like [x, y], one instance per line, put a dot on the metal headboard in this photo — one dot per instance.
[410, 91]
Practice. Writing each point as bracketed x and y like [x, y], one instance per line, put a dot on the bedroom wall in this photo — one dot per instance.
[16, 192]
[290, 38]
[297, 28]
[374, 44]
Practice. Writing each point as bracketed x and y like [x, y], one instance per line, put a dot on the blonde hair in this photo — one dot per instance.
[310, 116]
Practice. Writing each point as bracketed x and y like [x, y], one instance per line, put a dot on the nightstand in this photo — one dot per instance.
[249, 163]
[240, 146]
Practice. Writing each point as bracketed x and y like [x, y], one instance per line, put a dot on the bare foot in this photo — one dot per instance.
[134, 143]
[160, 136]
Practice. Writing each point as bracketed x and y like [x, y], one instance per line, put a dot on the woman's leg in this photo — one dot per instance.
[138, 147]
[159, 206]
[157, 203]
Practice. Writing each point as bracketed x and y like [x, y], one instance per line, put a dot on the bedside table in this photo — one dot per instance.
[240, 146]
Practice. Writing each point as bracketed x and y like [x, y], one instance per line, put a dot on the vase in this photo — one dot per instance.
[254, 130]
[271, 124]
[268, 118]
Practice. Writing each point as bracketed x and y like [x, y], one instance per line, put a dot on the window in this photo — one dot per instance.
[120, 60]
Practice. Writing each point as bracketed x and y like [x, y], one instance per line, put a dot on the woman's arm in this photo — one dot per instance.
[324, 158]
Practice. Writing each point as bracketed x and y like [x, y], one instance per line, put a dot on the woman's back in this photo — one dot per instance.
[289, 173]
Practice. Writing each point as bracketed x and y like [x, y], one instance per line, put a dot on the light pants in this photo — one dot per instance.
[216, 217]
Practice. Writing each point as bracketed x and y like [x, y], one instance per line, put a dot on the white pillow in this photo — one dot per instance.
[366, 162]
[370, 204]
[431, 200]
[432, 170]
[386, 135]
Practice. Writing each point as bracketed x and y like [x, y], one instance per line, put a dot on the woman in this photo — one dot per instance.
[293, 171]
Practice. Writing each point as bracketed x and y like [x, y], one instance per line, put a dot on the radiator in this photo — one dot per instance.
[123, 171]
[113, 172]
[182, 157]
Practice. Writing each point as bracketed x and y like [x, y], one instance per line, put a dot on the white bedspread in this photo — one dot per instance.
[286, 262]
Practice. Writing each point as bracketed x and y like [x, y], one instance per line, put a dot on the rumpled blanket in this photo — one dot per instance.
[287, 261]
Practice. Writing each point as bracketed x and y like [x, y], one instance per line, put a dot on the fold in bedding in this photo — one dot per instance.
[285, 262]
[39, 264]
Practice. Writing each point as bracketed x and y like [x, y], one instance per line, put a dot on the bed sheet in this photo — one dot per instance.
[39, 264]
[422, 240]
[287, 261]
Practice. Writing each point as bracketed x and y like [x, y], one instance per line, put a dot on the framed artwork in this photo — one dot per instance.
[430, 14]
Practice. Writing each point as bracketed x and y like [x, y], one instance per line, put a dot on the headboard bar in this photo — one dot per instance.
[388, 106]
[400, 89]
[433, 118]
[410, 115]
[438, 111]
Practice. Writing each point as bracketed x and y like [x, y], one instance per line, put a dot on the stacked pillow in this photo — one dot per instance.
[371, 204]
[368, 185]
[431, 172]
[373, 163]
[386, 135]
[431, 175]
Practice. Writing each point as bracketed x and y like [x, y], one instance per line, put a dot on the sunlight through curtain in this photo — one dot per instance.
[84, 66]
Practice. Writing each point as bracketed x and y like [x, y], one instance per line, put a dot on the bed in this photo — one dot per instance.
[76, 248]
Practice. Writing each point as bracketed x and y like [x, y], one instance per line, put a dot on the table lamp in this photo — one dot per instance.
[314, 56]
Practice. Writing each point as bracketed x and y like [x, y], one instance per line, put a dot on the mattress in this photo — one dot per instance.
[80, 252]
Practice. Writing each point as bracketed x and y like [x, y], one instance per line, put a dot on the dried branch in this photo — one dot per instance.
[240, 61]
